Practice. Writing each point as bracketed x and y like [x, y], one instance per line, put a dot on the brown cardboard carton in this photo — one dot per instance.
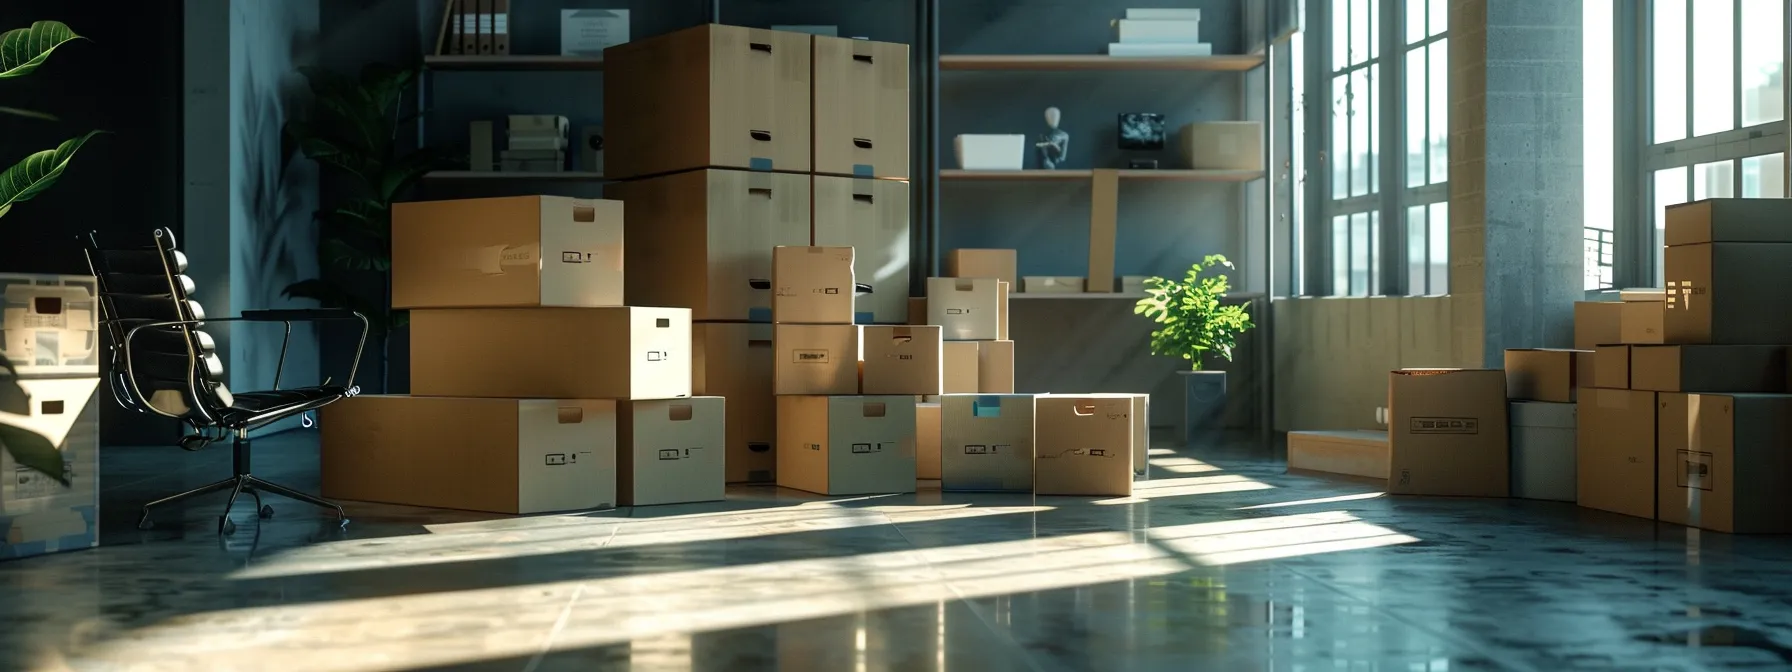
[500, 252]
[551, 353]
[917, 310]
[1542, 374]
[986, 442]
[1724, 464]
[847, 445]
[670, 451]
[1729, 220]
[1141, 434]
[711, 96]
[901, 360]
[1352, 452]
[995, 367]
[871, 217]
[1002, 289]
[1104, 213]
[1612, 367]
[1708, 368]
[1615, 451]
[1641, 322]
[1082, 445]
[1222, 145]
[1595, 323]
[812, 285]
[734, 361]
[1728, 293]
[1447, 434]
[960, 375]
[968, 309]
[497, 455]
[927, 440]
[701, 239]
[861, 108]
[816, 359]
[1002, 265]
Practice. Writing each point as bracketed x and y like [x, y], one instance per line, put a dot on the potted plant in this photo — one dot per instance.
[1193, 323]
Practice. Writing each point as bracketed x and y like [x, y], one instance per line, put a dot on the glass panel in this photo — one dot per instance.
[1669, 43]
[1340, 34]
[1360, 149]
[1340, 136]
[1359, 31]
[1439, 282]
[1417, 262]
[1360, 253]
[1764, 176]
[1340, 255]
[1374, 81]
[1438, 90]
[1416, 104]
[1415, 20]
[1670, 189]
[1598, 155]
[1714, 180]
[1713, 68]
[1374, 29]
[1763, 61]
[1439, 17]
[1297, 156]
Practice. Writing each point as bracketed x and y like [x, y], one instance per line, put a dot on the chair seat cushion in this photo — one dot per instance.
[248, 404]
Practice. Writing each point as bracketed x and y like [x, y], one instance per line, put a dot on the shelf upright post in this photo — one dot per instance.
[1104, 219]
[924, 227]
[1266, 323]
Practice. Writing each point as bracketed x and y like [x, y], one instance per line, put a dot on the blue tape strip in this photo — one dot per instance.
[864, 318]
[759, 163]
[862, 170]
[759, 314]
[986, 406]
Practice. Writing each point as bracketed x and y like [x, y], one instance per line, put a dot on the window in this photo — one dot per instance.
[1597, 62]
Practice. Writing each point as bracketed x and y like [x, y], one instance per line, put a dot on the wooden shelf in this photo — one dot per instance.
[1125, 174]
[514, 63]
[1084, 295]
[563, 176]
[1238, 63]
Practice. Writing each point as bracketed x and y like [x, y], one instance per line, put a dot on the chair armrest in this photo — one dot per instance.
[299, 314]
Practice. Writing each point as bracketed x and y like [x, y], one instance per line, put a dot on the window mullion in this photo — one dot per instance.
[1390, 90]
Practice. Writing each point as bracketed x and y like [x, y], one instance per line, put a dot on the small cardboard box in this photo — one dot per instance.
[516, 251]
[1728, 293]
[927, 440]
[1724, 464]
[1448, 434]
[1002, 290]
[551, 353]
[967, 309]
[734, 361]
[995, 367]
[1002, 265]
[1708, 368]
[960, 375]
[671, 451]
[847, 445]
[497, 455]
[1729, 220]
[1615, 451]
[1543, 458]
[49, 324]
[816, 359]
[1222, 145]
[1082, 445]
[917, 310]
[861, 108]
[38, 513]
[1542, 374]
[812, 285]
[1352, 452]
[871, 217]
[901, 360]
[1642, 322]
[1611, 369]
[1052, 284]
[1596, 323]
[986, 442]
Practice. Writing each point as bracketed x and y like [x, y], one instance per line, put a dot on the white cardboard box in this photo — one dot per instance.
[1543, 457]
[38, 514]
[49, 324]
[990, 152]
[1052, 284]
[986, 442]
[671, 451]
[966, 309]
[1157, 31]
[847, 445]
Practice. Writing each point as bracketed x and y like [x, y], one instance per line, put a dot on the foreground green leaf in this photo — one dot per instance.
[37, 172]
[22, 50]
[33, 450]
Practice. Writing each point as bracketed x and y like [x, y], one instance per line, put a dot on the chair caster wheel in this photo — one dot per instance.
[266, 512]
[225, 526]
[342, 524]
[194, 442]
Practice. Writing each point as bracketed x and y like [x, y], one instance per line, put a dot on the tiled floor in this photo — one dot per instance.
[1221, 562]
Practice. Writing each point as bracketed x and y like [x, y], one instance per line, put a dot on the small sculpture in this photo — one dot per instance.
[1054, 144]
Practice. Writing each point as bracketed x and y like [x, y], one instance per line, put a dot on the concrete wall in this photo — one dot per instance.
[1333, 355]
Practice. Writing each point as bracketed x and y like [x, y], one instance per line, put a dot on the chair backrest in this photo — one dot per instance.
[172, 370]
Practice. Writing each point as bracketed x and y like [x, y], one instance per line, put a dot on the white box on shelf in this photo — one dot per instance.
[1160, 50]
[1163, 14]
[990, 152]
[587, 32]
[1052, 284]
[1157, 31]
[1132, 284]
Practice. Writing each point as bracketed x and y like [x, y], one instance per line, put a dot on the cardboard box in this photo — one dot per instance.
[1141, 434]
[1002, 265]
[1543, 457]
[1002, 290]
[967, 309]
[819, 359]
[1447, 434]
[1104, 213]
[861, 108]
[505, 252]
[38, 514]
[1642, 322]
[1729, 220]
[917, 310]
[1083, 445]
[1724, 464]
[701, 239]
[1222, 145]
[1052, 284]
[671, 451]
[995, 367]
[871, 217]
[812, 285]
[1595, 323]
[927, 440]
[734, 361]
[1708, 368]
[49, 324]
[1611, 369]
[1542, 374]
[1728, 293]
[1352, 452]
[901, 360]
[551, 353]
[986, 442]
[847, 445]
[497, 455]
[711, 96]
[960, 375]
[1615, 451]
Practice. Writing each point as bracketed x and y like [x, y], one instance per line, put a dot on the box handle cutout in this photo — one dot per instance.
[759, 447]
[762, 46]
[757, 283]
[760, 191]
[874, 409]
[663, 323]
[759, 343]
[678, 412]
[47, 305]
[861, 143]
[51, 407]
[584, 213]
[862, 58]
[964, 285]
[867, 198]
[762, 136]
[571, 415]
[1083, 409]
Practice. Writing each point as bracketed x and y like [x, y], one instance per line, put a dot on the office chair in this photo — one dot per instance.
[163, 362]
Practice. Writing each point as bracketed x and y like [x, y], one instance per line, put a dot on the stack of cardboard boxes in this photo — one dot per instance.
[49, 392]
[732, 141]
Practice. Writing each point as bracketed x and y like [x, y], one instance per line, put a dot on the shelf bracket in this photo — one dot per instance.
[1104, 215]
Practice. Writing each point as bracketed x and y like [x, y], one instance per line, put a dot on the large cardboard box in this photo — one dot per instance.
[1002, 265]
[1642, 322]
[551, 353]
[861, 108]
[872, 218]
[734, 361]
[986, 442]
[1536, 374]
[1002, 290]
[1596, 323]
[812, 285]
[503, 252]
[820, 359]
[995, 367]
[1611, 368]
[960, 374]
[703, 239]
[1615, 451]
[1543, 458]
[49, 324]
[670, 451]
[1729, 220]
[1222, 145]
[1724, 462]
[847, 445]
[49, 512]
[1708, 368]
[1352, 452]
[917, 310]
[927, 440]
[711, 96]
[901, 360]
[497, 455]
[968, 309]
[1728, 293]
[1083, 444]
[1448, 433]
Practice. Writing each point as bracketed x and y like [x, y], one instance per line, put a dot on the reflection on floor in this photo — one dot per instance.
[1220, 562]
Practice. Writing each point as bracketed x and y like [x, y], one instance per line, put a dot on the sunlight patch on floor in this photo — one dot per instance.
[1307, 502]
[1144, 491]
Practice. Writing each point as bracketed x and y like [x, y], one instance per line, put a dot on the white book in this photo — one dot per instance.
[1160, 14]
[1187, 49]
[1132, 31]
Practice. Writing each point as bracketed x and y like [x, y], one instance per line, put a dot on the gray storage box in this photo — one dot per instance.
[1543, 456]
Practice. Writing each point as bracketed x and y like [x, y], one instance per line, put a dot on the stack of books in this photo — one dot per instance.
[536, 144]
[1159, 32]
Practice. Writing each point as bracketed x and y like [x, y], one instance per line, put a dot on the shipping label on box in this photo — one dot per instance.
[812, 285]
[847, 445]
[49, 512]
[503, 252]
[986, 442]
[1448, 434]
[49, 324]
[1722, 462]
[671, 451]
[818, 359]
[1083, 445]
[967, 309]
[901, 360]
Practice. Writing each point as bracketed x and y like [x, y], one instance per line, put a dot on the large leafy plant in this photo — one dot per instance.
[1191, 319]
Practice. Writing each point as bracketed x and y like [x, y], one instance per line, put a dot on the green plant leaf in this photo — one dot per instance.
[37, 172]
[33, 450]
[341, 254]
[22, 50]
[31, 114]
[1191, 317]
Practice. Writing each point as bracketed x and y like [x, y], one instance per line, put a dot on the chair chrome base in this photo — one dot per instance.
[242, 482]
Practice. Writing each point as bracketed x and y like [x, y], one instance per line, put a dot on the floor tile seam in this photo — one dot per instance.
[1006, 638]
